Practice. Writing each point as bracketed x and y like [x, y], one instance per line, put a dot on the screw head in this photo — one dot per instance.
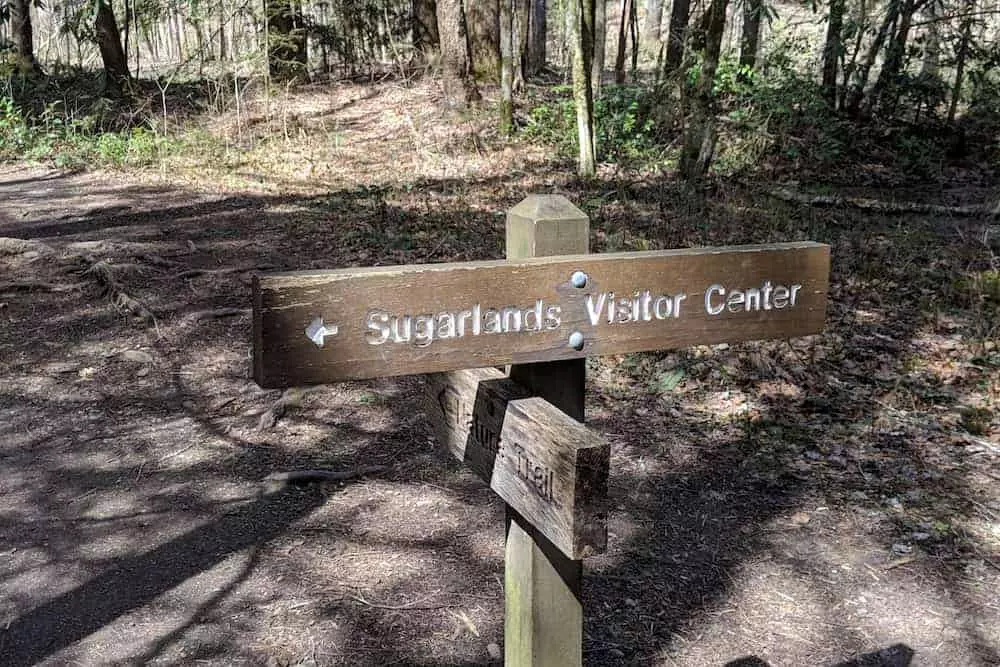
[578, 279]
[576, 340]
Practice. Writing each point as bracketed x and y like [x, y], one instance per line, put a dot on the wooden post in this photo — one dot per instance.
[543, 621]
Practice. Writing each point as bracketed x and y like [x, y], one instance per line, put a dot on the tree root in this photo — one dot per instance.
[106, 276]
[291, 397]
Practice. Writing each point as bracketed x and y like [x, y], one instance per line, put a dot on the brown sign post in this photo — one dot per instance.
[543, 310]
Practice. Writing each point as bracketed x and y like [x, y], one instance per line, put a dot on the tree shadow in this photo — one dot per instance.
[688, 525]
[134, 581]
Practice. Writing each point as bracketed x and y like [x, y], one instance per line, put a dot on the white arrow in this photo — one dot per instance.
[317, 331]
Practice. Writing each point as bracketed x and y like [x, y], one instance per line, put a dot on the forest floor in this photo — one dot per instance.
[833, 500]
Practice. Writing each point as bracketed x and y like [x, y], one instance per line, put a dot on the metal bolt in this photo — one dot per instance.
[579, 279]
[576, 340]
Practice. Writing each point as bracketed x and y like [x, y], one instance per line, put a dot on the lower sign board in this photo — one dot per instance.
[326, 326]
[547, 466]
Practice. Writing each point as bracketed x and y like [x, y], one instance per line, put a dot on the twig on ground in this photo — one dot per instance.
[215, 313]
[416, 604]
[795, 197]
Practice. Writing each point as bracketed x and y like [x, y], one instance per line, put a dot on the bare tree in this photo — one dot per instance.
[24, 50]
[582, 16]
[459, 88]
[483, 28]
[753, 12]
[109, 43]
[700, 133]
[535, 51]
[833, 50]
[600, 41]
[423, 15]
[507, 38]
[654, 17]
[676, 34]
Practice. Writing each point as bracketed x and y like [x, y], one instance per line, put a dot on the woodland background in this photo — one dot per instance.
[831, 500]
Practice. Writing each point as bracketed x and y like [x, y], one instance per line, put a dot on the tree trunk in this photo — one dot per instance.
[600, 46]
[286, 41]
[20, 26]
[885, 91]
[483, 26]
[832, 51]
[626, 20]
[857, 94]
[651, 29]
[522, 17]
[700, 133]
[423, 14]
[223, 54]
[459, 89]
[506, 67]
[750, 37]
[536, 38]
[960, 58]
[676, 34]
[633, 28]
[582, 16]
[116, 74]
[849, 68]
[930, 68]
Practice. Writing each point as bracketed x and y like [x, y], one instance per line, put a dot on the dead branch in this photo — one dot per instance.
[879, 206]
[416, 604]
[215, 313]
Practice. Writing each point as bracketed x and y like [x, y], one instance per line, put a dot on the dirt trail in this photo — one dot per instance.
[777, 501]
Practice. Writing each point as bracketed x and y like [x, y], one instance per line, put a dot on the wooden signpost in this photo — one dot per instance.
[327, 326]
[543, 310]
[544, 464]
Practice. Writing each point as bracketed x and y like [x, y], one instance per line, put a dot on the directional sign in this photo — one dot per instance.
[549, 467]
[317, 331]
[441, 317]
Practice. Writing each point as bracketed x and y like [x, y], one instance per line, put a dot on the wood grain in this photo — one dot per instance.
[285, 304]
[548, 467]
[543, 623]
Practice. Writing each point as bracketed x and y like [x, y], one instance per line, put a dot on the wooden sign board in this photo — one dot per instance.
[326, 326]
[547, 466]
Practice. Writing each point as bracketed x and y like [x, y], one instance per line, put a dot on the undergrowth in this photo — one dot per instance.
[67, 122]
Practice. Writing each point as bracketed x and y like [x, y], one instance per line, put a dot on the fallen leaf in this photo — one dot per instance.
[800, 518]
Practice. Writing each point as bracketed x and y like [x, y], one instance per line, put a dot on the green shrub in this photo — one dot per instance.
[626, 128]
[55, 136]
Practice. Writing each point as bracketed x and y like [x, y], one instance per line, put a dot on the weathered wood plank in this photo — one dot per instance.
[547, 466]
[543, 624]
[316, 327]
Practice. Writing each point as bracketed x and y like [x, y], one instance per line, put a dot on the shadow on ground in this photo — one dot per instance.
[764, 505]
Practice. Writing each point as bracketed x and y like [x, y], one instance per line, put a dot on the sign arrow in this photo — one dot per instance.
[317, 331]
